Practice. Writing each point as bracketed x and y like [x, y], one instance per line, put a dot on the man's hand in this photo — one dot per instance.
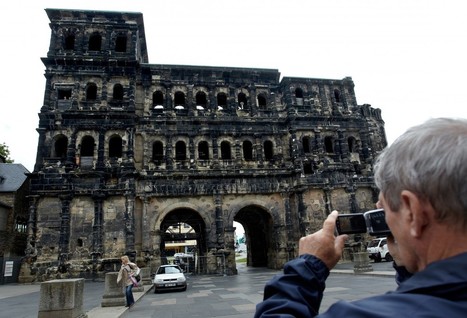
[323, 244]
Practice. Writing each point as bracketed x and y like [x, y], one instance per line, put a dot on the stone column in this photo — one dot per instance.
[130, 221]
[146, 229]
[361, 262]
[113, 295]
[64, 240]
[146, 276]
[62, 298]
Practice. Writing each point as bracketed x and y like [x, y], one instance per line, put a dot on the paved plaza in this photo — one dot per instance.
[207, 296]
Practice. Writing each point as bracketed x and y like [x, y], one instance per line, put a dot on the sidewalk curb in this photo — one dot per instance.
[371, 273]
[118, 311]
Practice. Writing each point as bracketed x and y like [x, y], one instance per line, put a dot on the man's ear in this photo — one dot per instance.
[415, 213]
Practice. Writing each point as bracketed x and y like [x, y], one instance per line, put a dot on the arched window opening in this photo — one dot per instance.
[118, 92]
[337, 95]
[79, 243]
[115, 147]
[60, 147]
[21, 225]
[221, 101]
[242, 101]
[91, 92]
[201, 100]
[247, 150]
[64, 94]
[70, 42]
[95, 42]
[180, 150]
[329, 144]
[157, 99]
[120, 43]
[352, 143]
[203, 150]
[298, 93]
[179, 100]
[157, 151]
[261, 101]
[299, 96]
[226, 152]
[307, 168]
[306, 144]
[87, 146]
[268, 150]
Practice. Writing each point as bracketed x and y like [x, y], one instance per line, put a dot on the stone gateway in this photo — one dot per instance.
[130, 151]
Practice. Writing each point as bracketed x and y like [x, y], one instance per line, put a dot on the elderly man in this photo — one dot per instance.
[422, 178]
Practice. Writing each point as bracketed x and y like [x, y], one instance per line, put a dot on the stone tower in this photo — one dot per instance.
[129, 149]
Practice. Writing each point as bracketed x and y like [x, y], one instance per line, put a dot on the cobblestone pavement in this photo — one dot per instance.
[237, 296]
[207, 296]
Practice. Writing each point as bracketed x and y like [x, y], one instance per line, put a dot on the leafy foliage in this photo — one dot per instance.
[5, 152]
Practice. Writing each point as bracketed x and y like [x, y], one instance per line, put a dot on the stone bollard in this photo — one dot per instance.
[113, 295]
[62, 298]
[146, 276]
[361, 262]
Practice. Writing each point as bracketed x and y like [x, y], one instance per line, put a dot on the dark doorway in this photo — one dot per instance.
[183, 225]
[257, 224]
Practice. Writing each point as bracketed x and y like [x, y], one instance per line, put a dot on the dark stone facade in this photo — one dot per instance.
[127, 149]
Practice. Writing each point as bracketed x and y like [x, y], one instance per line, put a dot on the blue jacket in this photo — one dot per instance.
[440, 290]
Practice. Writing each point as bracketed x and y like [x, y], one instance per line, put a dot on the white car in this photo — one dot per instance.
[378, 250]
[169, 277]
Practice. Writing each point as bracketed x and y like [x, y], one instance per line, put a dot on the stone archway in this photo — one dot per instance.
[184, 216]
[257, 224]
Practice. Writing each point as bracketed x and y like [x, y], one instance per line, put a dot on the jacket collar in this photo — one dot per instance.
[449, 275]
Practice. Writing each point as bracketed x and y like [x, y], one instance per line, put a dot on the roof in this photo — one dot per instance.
[12, 176]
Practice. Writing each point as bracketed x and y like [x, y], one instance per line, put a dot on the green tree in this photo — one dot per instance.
[5, 152]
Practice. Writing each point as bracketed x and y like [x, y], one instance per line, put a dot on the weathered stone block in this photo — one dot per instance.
[62, 298]
[113, 295]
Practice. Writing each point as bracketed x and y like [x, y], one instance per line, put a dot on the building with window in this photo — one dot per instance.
[14, 187]
[128, 149]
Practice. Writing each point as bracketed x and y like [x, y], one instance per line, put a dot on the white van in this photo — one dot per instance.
[378, 249]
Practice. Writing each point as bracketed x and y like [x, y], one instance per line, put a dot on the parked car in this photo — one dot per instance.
[169, 277]
[378, 249]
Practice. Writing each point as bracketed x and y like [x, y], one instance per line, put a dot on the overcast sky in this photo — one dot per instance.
[406, 57]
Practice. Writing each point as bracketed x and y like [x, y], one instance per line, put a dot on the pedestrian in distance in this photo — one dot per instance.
[422, 179]
[127, 274]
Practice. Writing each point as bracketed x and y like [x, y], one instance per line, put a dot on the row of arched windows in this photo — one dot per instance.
[158, 99]
[328, 144]
[299, 95]
[91, 92]
[115, 149]
[201, 100]
[203, 152]
[87, 147]
[95, 42]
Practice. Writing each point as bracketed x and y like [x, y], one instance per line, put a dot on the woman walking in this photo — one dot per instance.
[125, 274]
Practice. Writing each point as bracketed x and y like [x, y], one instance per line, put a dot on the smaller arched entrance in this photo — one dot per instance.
[257, 223]
[180, 226]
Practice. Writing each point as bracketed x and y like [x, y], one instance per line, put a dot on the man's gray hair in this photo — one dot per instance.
[431, 161]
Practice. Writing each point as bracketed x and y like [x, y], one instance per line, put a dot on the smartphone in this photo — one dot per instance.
[352, 223]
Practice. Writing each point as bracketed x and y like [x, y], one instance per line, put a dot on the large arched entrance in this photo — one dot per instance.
[257, 224]
[182, 225]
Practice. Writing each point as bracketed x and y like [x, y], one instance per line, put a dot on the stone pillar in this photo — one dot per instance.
[113, 295]
[361, 262]
[62, 298]
[146, 276]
